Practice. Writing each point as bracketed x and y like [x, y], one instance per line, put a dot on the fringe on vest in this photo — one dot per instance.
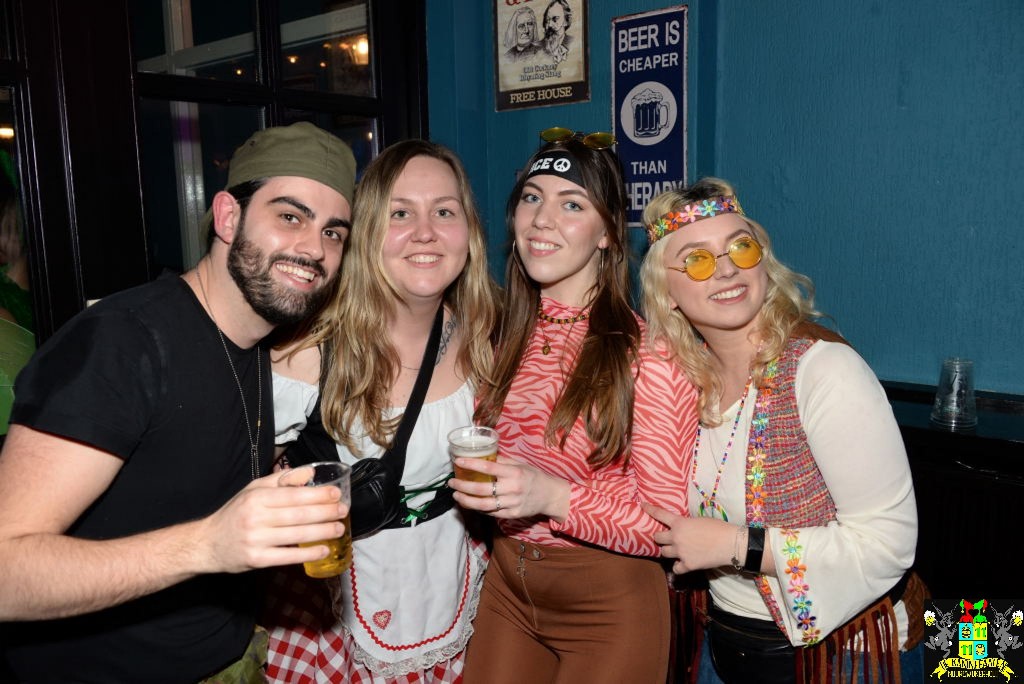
[689, 600]
[875, 627]
[871, 638]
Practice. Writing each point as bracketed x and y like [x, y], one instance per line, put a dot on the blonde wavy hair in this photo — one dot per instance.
[788, 309]
[361, 362]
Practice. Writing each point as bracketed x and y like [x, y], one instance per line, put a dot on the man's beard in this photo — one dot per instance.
[553, 38]
[275, 303]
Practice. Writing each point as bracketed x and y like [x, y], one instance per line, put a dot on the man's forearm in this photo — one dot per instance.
[44, 576]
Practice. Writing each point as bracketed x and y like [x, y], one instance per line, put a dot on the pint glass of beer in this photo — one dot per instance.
[473, 442]
[333, 474]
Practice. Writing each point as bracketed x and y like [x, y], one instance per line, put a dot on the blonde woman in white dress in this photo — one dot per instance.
[403, 612]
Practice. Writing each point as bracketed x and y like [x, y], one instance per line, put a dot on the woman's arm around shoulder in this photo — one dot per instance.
[298, 361]
[664, 430]
[296, 371]
[664, 427]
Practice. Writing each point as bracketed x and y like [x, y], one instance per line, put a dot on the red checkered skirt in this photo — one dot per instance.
[309, 646]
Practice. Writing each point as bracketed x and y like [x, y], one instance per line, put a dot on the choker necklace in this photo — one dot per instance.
[254, 450]
[709, 508]
[571, 320]
[446, 337]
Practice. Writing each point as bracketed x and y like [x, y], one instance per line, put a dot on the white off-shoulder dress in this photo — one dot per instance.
[404, 611]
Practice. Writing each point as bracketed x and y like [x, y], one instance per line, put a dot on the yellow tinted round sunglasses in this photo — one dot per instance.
[700, 264]
[595, 141]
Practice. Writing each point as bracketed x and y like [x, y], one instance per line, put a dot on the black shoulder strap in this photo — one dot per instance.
[396, 452]
[314, 444]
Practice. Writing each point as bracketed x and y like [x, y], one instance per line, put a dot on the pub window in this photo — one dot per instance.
[209, 74]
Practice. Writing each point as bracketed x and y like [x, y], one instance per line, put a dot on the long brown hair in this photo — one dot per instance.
[600, 387]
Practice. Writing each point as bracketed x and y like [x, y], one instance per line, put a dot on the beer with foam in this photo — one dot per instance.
[473, 442]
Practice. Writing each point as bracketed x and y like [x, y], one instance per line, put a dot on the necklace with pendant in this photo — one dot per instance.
[709, 506]
[253, 435]
[571, 320]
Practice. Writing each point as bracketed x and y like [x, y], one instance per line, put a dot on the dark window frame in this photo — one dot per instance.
[75, 91]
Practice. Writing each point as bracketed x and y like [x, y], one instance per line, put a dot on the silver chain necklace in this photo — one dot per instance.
[254, 450]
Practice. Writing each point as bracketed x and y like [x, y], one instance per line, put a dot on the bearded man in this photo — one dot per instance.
[557, 20]
[134, 489]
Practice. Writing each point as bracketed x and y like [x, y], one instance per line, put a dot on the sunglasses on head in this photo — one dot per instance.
[700, 264]
[595, 141]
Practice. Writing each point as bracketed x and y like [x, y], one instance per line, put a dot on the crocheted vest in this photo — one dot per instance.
[785, 489]
[784, 485]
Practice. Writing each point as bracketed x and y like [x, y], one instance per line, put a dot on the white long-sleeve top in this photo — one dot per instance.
[857, 445]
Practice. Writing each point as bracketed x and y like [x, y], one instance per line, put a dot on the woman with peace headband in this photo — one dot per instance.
[591, 424]
[801, 501]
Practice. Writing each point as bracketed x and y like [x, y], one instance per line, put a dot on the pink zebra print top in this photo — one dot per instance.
[605, 504]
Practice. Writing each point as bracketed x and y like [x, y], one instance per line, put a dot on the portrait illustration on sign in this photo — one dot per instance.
[522, 41]
[540, 53]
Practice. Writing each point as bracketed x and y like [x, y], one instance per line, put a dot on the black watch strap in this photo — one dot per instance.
[755, 550]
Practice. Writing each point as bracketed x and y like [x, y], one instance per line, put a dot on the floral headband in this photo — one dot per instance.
[691, 213]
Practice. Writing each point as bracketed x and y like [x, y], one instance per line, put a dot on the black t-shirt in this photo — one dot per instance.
[143, 375]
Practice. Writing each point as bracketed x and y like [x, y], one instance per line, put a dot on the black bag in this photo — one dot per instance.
[377, 495]
[749, 650]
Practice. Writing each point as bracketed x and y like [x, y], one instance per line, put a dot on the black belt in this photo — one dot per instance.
[767, 630]
[896, 593]
[756, 629]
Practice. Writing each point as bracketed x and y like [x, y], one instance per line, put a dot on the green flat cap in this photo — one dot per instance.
[302, 150]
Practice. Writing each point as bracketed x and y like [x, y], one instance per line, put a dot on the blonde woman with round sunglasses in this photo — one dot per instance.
[801, 504]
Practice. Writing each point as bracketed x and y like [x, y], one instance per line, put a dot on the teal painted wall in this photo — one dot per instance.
[881, 143]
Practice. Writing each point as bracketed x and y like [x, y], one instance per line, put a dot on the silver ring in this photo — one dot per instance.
[494, 487]
[497, 504]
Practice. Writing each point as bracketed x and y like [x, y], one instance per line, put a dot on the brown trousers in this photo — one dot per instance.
[569, 615]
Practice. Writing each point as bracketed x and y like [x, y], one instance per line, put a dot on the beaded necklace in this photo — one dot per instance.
[708, 506]
[582, 316]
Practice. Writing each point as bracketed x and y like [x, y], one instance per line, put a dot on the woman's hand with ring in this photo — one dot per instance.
[517, 490]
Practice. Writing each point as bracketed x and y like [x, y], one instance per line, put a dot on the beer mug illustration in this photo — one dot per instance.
[650, 113]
